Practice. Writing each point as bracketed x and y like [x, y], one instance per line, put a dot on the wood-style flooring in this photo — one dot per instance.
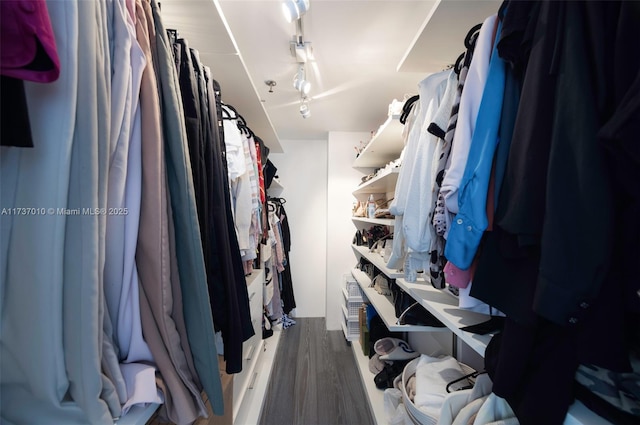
[315, 380]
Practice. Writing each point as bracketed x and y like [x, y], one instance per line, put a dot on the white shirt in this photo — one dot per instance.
[468, 112]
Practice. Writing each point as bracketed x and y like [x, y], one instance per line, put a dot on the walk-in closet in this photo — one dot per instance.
[319, 212]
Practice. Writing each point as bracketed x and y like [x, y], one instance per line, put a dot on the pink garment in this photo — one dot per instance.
[457, 277]
[27, 44]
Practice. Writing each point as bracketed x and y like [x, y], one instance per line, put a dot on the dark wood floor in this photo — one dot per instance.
[315, 380]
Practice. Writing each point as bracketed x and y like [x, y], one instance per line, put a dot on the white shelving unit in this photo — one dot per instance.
[384, 182]
[440, 39]
[374, 221]
[375, 397]
[276, 188]
[204, 25]
[385, 146]
[251, 408]
[444, 307]
[377, 260]
[384, 306]
[352, 300]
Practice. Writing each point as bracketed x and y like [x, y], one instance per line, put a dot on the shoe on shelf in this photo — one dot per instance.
[394, 349]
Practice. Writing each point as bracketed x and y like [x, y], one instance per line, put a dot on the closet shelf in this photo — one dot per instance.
[384, 182]
[375, 397]
[377, 260]
[379, 221]
[275, 188]
[444, 306]
[385, 146]
[384, 306]
[254, 275]
[204, 25]
[440, 39]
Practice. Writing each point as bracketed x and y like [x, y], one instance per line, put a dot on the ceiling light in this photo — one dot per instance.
[301, 50]
[300, 82]
[294, 9]
[304, 110]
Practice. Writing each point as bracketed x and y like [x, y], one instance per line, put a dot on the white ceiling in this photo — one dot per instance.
[358, 47]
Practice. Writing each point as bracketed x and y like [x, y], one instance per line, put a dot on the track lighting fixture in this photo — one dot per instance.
[304, 108]
[300, 82]
[294, 9]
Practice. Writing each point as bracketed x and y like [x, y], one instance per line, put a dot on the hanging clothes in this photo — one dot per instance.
[190, 259]
[35, 298]
[121, 283]
[27, 53]
[160, 292]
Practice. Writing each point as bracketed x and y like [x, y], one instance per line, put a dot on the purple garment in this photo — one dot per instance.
[27, 44]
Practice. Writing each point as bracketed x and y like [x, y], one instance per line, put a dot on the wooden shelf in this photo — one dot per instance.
[377, 260]
[384, 306]
[381, 221]
[384, 182]
[385, 146]
[375, 397]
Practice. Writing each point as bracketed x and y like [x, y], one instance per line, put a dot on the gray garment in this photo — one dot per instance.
[82, 289]
[160, 299]
[110, 355]
[33, 376]
[197, 308]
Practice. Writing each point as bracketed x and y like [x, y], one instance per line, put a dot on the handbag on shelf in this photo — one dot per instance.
[410, 312]
[360, 209]
[381, 285]
[388, 249]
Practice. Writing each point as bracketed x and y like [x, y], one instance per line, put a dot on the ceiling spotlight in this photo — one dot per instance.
[304, 110]
[300, 83]
[294, 9]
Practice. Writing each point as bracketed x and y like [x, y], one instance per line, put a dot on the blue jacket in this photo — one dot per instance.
[471, 221]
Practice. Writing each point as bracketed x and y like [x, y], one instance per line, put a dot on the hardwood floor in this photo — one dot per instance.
[315, 380]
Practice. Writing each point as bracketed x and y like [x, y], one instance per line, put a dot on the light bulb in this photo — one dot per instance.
[305, 111]
[290, 10]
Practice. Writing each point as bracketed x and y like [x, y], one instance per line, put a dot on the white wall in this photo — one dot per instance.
[342, 180]
[318, 183]
[302, 170]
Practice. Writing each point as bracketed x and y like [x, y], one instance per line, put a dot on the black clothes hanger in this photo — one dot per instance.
[457, 67]
[462, 378]
[472, 37]
[406, 108]
[240, 121]
[172, 34]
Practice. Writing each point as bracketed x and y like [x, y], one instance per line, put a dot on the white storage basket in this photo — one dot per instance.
[417, 416]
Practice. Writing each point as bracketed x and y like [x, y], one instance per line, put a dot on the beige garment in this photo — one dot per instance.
[160, 294]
